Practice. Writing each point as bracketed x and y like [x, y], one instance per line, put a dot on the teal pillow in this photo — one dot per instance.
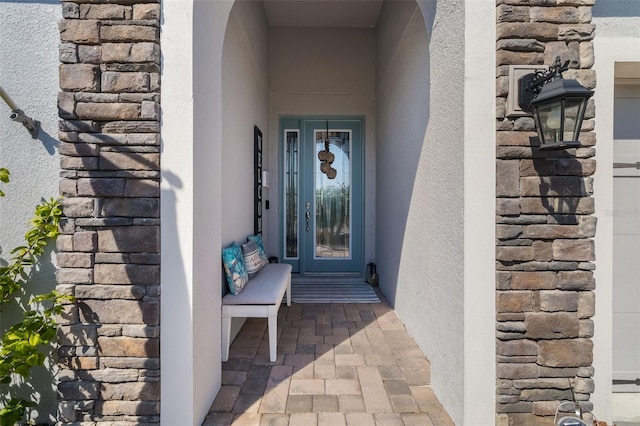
[234, 268]
[258, 240]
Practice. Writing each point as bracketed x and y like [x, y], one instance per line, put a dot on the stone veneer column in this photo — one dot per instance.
[108, 253]
[545, 224]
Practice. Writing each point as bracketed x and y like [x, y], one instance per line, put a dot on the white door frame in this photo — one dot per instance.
[608, 51]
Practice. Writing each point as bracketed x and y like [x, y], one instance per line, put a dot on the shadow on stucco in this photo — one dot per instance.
[403, 183]
[48, 142]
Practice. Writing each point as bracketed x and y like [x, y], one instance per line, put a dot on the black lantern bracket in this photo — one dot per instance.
[556, 104]
[530, 85]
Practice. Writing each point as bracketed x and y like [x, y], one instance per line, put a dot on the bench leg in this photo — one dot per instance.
[226, 336]
[273, 337]
[289, 291]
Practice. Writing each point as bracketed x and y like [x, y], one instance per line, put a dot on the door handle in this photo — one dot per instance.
[307, 216]
[627, 165]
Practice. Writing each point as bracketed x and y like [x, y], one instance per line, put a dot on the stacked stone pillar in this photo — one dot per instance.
[545, 224]
[109, 250]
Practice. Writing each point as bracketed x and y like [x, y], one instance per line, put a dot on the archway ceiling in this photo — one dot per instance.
[322, 13]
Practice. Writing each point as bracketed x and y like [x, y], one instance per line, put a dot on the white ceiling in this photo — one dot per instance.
[322, 13]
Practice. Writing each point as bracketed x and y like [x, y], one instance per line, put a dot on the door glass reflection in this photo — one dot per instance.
[291, 193]
[332, 194]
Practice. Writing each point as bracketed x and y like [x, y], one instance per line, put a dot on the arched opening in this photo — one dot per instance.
[254, 63]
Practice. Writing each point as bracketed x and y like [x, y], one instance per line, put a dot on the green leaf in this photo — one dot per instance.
[20, 344]
[23, 370]
[4, 175]
[33, 360]
[34, 340]
[14, 410]
[10, 337]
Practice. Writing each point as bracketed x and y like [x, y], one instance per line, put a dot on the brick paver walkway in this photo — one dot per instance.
[338, 364]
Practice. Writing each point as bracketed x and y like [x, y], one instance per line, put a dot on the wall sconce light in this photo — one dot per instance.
[557, 105]
[33, 126]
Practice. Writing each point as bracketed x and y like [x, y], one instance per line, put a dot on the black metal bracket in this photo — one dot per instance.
[530, 85]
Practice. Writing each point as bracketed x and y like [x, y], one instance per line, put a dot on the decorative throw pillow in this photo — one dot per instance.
[234, 268]
[258, 240]
[251, 256]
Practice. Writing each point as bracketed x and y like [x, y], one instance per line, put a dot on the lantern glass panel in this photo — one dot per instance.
[549, 122]
[571, 119]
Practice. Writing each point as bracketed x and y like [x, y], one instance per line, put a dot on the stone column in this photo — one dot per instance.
[545, 224]
[109, 250]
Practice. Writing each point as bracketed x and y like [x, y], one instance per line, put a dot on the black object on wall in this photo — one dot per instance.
[257, 189]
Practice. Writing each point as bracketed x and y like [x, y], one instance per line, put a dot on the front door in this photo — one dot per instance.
[322, 195]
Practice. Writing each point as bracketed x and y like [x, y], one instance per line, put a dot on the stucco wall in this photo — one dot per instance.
[618, 31]
[201, 198]
[245, 96]
[435, 180]
[420, 187]
[479, 213]
[28, 73]
[200, 208]
[402, 73]
[191, 225]
[322, 71]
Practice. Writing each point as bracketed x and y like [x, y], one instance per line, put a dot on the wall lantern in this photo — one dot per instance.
[557, 105]
[32, 126]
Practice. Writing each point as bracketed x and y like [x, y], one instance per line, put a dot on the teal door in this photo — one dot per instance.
[323, 195]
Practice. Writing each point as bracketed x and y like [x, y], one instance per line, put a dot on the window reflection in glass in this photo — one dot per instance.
[332, 196]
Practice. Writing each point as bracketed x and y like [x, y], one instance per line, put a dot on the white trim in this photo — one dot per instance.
[608, 51]
[176, 343]
[479, 213]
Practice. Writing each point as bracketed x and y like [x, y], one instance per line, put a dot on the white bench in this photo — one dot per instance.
[260, 298]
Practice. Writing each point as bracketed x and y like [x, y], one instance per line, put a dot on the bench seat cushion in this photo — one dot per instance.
[261, 290]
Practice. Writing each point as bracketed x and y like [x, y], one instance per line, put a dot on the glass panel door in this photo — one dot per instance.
[332, 196]
[322, 195]
[332, 202]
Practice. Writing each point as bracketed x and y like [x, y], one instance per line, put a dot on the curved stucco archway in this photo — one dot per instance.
[193, 43]
[191, 190]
